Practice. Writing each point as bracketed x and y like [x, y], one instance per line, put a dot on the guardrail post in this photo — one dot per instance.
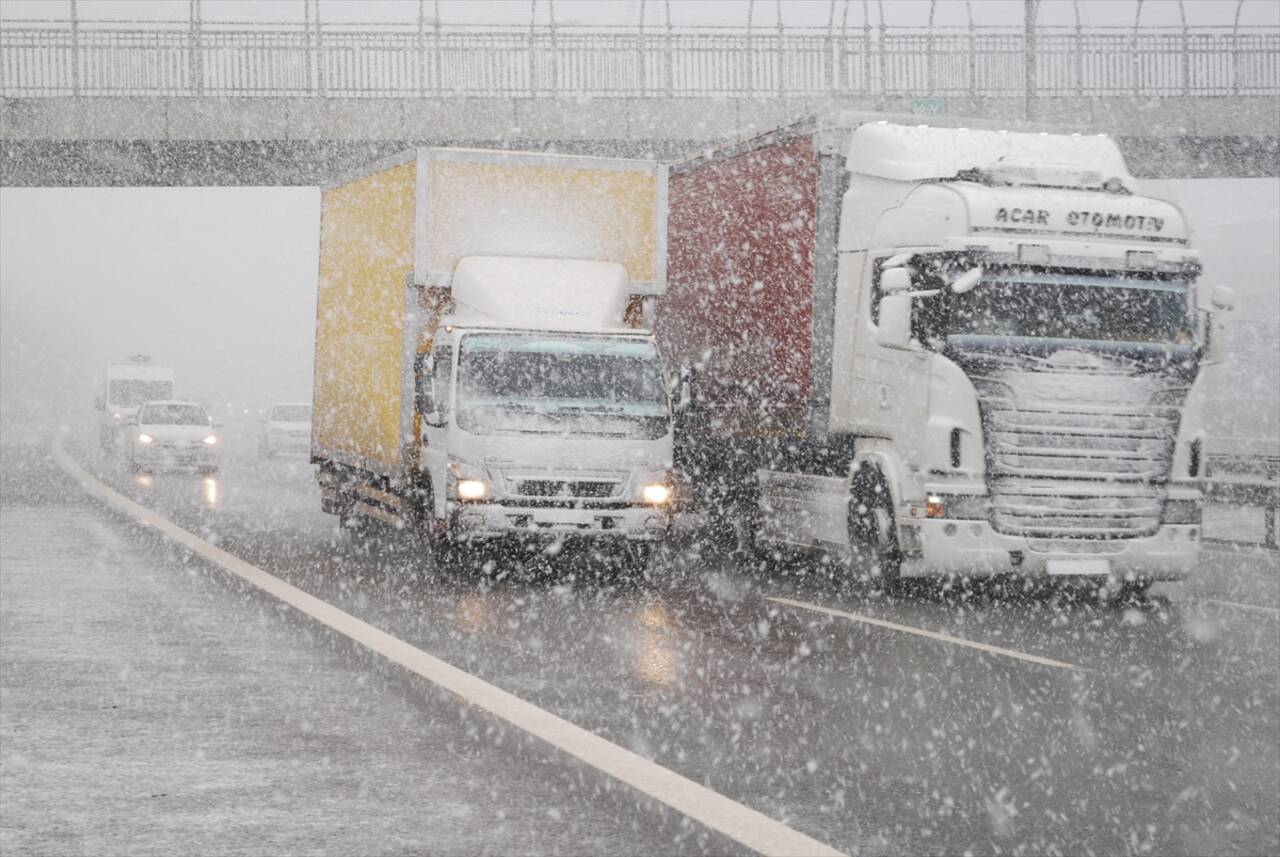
[1029, 58]
[320, 75]
[75, 50]
[196, 66]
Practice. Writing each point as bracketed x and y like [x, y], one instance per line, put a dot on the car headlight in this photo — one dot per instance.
[1182, 511]
[211, 439]
[656, 494]
[117, 416]
[145, 438]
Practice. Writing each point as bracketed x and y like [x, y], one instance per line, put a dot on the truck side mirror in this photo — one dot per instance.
[684, 389]
[1215, 338]
[424, 391]
[1222, 298]
[895, 281]
[895, 321]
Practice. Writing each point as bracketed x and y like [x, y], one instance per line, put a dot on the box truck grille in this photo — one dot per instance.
[566, 488]
[1077, 448]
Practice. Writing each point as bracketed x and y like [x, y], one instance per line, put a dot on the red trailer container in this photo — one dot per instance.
[751, 283]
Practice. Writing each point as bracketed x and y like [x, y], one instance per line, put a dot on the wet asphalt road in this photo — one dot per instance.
[1161, 735]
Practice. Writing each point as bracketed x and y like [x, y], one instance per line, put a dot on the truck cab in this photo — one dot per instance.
[542, 413]
[127, 386]
[1022, 347]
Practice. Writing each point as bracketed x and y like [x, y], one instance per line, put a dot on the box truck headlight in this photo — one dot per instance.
[145, 438]
[211, 439]
[472, 489]
[469, 482]
[656, 494]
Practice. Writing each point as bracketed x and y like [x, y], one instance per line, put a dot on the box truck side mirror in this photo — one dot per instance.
[1222, 298]
[895, 320]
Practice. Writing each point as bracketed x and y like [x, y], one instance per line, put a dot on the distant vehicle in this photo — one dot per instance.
[470, 391]
[172, 434]
[286, 429]
[127, 386]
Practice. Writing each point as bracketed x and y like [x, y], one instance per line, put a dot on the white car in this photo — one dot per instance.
[172, 434]
[286, 429]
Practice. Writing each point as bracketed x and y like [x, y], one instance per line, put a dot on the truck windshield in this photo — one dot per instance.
[554, 384]
[1052, 307]
[132, 391]
[171, 414]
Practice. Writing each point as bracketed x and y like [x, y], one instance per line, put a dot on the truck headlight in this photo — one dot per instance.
[656, 494]
[211, 439]
[1182, 512]
[145, 438]
[472, 489]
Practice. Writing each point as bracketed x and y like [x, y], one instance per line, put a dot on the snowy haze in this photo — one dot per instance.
[217, 282]
[220, 284]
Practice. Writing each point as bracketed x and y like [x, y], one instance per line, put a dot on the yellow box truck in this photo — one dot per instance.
[484, 366]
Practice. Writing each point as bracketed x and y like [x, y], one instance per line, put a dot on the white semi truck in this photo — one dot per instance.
[483, 367]
[943, 351]
[127, 386]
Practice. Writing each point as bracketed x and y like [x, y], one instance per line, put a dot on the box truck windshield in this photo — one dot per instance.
[130, 392]
[1049, 309]
[513, 383]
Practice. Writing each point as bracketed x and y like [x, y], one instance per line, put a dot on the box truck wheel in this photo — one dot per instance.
[873, 539]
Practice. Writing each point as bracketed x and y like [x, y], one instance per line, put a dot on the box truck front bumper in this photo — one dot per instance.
[974, 548]
[479, 521]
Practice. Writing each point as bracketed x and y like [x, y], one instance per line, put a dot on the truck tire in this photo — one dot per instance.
[873, 538]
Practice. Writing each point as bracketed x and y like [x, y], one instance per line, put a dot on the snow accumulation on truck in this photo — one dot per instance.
[940, 351]
[482, 366]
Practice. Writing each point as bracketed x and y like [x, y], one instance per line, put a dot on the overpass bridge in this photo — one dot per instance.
[120, 103]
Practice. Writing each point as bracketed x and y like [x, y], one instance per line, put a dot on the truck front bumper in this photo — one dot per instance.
[479, 521]
[975, 549]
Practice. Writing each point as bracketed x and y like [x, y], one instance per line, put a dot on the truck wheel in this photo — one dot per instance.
[873, 538]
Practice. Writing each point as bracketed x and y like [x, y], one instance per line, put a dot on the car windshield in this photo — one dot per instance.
[167, 414]
[548, 383]
[131, 391]
[291, 414]
[1025, 305]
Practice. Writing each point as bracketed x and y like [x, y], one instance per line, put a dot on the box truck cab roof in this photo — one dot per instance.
[550, 294]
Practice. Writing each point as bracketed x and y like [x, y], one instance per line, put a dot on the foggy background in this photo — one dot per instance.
[220, 284]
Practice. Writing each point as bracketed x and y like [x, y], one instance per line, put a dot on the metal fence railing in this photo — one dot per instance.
[100, 59]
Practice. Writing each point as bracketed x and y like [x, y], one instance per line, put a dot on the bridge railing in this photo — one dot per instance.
[99, 59]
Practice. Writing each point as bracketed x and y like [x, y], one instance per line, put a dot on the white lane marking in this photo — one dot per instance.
[740, 823]
[1242, 605]
[932, 635]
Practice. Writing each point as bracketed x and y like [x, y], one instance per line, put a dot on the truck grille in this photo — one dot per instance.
[1079, 445]
[566, 488]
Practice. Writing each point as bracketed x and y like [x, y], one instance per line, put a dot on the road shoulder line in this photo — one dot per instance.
[1242, 605]
[738, 822]
[932, 635]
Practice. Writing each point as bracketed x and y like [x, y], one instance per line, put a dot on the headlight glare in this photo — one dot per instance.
[657, 494]
[472, 489]
[211, 439]
[145, 438]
